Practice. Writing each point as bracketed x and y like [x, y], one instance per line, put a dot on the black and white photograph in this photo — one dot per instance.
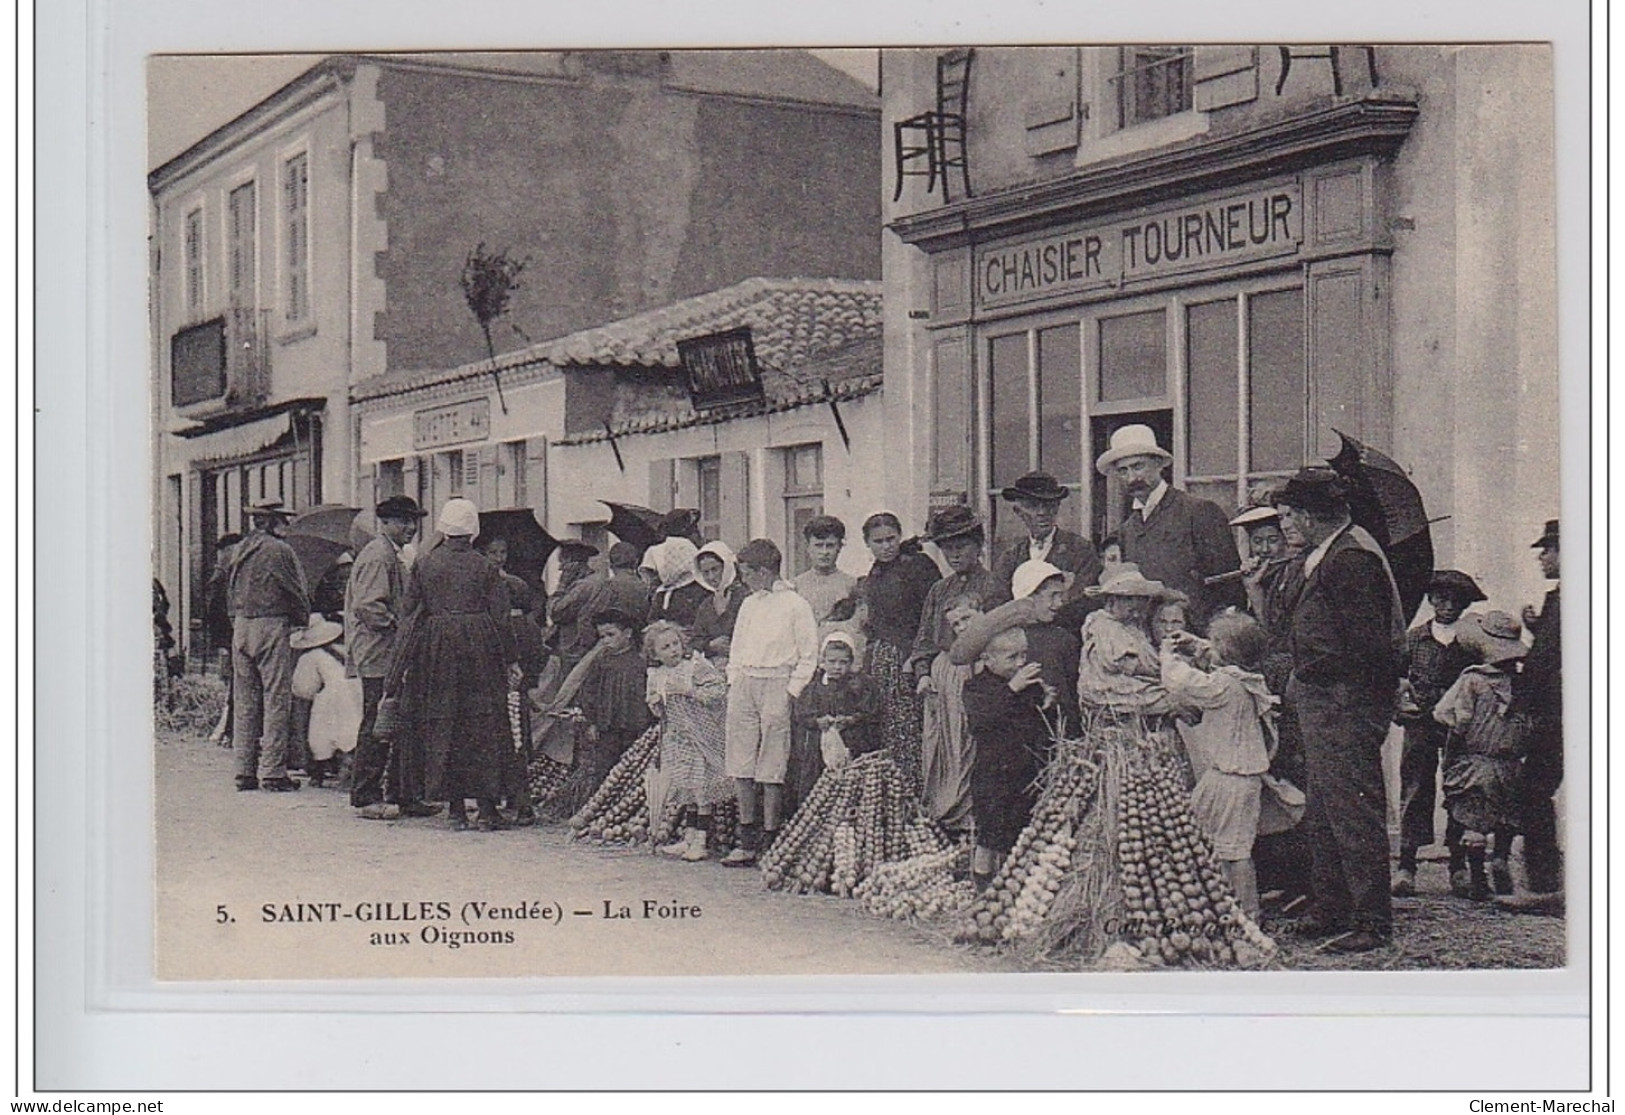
[642, 512]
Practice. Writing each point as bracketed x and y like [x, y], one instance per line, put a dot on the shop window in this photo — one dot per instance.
[1036, 420]
[1133, 357]
[391, 480]
[1152, 82]
[192, 235]
[709, 473]
[241, 250]
[296, 237]
[803, 500]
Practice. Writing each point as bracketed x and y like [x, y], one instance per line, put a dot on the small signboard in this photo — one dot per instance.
[721, 368]
[455, 424]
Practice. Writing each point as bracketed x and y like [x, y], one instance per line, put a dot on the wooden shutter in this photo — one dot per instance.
[484, 475]
[1350, 388]
[735, 499]
[185, 605]
[535, 495]
[662, 484]
[366, 486]
[412, 480]
[1224, 76]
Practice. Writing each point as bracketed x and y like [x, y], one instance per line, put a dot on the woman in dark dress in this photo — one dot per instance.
[460, 663]
[894, 593]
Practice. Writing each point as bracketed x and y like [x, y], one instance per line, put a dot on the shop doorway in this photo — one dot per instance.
[1110, 503]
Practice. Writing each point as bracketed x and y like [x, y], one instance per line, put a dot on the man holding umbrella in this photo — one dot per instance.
[372, 628]
[1345, 636]
[268, 598]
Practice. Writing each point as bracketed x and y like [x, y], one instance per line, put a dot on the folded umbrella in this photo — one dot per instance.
[1385, 501]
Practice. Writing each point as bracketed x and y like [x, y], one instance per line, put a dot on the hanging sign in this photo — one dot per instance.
[1239, 228]
[721, 368]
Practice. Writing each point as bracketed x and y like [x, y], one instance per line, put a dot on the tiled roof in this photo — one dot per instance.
[848, 372]
[791, 321]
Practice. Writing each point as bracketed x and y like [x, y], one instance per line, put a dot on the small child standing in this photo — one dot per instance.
[335, 700]
[773, 654]
[690, 697]
[1483, 751]
[948, 753]
[1227, 747]
[612, 696]
[837, 718]
[1004, 709]
[1119, 669]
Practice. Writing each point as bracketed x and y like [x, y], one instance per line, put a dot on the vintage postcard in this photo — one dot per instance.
[782, 512]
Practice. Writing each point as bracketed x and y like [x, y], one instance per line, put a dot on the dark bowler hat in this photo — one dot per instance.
[268, 509]
[1317, 490]
[1457, 585]
[1038, 486]
[576, 551]
[399, 507]
[1548, 537]
[954, 521]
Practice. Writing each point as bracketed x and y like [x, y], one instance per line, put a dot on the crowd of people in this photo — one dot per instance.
[1276, 678]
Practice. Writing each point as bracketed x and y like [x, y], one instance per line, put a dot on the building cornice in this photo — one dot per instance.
[1374, 124]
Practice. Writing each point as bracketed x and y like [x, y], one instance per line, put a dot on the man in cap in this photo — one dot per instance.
[1434, 659]
[388, 776]
[1172, 536]
[620, 588]
[268, 598]
[1537, 691]
[1345, 635]
[1036, 499]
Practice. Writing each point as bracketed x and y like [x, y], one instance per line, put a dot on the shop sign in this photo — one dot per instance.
[721, 368]
[452, 424]
[1236, 229]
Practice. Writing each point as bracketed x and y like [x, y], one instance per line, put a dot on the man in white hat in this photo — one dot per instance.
[267, 596]
[1173, 537]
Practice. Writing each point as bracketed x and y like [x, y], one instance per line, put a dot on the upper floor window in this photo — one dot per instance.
[193, 243]
[296, 236]
[240, 248]
[1152, 82]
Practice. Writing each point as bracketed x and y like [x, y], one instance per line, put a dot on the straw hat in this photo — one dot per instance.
[317, 633]
[1126, 580]
[1498, 637]
[1250, 517]
[1131, 441]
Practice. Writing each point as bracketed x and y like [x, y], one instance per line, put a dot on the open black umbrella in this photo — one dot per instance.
[1384, 500]
[326, 520]
[529, 546]
[317, 555]
[634, 525]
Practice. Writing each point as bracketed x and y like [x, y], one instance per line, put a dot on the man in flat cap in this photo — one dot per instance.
[1036, 499]
[1172, 536]
[267, 596]
[1537, 692]
[1346, 638]
[388, 776]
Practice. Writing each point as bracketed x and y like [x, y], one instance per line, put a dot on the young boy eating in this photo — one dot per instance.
[772, 657]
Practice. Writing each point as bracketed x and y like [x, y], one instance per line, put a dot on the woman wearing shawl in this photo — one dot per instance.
[459, 664]
[677, 594]
[714, 569]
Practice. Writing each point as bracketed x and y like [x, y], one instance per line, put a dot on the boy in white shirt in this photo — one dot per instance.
[773, 656]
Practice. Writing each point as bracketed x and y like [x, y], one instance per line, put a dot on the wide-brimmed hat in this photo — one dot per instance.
[1318, 490]
[1029, 575]
[1548, 537]
[955, 521]
[1131, 441]
[1250, 517]
[317, 633]
[399, 507]
[268, 509]
[1497, 637]
[1127, 580]
[1038, 486]
[1456, 584]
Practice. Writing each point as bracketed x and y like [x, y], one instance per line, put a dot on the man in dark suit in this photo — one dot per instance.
[1345, 636]
[1036, 499]
[1173, 537]
[1537, 692]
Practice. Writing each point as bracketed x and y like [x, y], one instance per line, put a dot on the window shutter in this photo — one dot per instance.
[412, 481]
[484, 488]
[1224, 76]
[535, 494]
[183, 606]
[662, 484]
[735, 487]
[366, 486]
